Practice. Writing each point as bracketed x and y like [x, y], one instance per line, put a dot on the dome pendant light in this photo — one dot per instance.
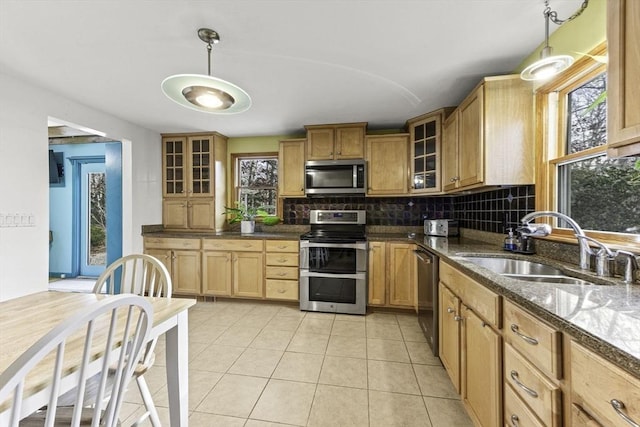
[206, 93]
[548, 65]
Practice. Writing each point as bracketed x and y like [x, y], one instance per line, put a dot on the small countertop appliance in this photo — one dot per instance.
[441, 227]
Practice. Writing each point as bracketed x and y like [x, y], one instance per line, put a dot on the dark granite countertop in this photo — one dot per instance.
[604, 317]
[224, 235]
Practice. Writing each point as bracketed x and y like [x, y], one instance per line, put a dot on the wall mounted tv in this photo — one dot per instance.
[56, 168]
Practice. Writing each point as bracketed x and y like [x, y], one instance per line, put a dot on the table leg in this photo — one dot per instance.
[177, 364]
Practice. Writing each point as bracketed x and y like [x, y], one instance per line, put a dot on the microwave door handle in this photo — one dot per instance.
[355, 176]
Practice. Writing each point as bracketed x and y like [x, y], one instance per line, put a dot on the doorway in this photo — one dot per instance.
[93, 219]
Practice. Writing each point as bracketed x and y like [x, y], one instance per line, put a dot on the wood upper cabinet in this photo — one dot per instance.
[450, 153]
[392, 274]
[426, 151]
[603, 391]
[388, 153]
[335, 142]
[623, 79]
[291, 168]
[491, 135]
[193, 181]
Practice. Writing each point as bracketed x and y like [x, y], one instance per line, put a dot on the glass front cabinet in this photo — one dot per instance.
[426, 135]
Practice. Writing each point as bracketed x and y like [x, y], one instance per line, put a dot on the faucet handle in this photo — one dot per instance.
[631, 265]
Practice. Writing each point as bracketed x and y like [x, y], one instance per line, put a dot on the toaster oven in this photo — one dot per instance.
[441, 227]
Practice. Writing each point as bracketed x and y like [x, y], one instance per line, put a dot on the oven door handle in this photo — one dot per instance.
[357, 245]
[305, 273]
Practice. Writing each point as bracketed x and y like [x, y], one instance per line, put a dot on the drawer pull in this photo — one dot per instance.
[618, 406]
[282, 291]
[282, 260]
[515, 378]
[282, 247]
[514, 420]
[516, 331]
[282, 274]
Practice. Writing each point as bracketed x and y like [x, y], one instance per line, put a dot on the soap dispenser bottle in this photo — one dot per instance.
[510, 242]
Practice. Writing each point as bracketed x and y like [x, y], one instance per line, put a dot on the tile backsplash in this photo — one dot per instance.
[492, 211]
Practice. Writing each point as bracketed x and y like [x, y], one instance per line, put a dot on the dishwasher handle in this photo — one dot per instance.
[420, 254]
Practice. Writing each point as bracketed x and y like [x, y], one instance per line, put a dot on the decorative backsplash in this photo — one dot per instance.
[492, 211]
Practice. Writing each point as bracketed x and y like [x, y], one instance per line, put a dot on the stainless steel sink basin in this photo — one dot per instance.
[549, 279]
[508, 266]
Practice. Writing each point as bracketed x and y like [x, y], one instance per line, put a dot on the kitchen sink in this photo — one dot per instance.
[549, 279]
[508, 266]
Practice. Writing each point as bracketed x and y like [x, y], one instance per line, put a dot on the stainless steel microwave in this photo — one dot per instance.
[344, 177]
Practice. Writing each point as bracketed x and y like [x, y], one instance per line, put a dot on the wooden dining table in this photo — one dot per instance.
[26, 319]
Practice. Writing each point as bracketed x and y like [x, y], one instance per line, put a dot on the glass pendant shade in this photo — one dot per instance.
[204, 92]
[547, 66]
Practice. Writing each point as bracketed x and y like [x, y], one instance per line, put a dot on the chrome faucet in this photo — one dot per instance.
[541, 230]
[603, 257]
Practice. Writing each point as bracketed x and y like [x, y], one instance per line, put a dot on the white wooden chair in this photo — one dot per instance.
[103, 327]
[139, 274]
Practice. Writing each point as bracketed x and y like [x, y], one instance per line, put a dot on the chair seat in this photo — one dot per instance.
[64, 415]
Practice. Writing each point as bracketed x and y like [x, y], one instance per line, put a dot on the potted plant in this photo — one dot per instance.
[245, 215]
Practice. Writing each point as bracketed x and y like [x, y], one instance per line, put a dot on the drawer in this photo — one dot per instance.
[282, 246]
[538, 342]
[484, 302]
[284, 273]
[596, 382]
[282, 289]
[532, 387]
[166, 243]
[285, 259]
[516, 413]
[236, 245]
[451, 277]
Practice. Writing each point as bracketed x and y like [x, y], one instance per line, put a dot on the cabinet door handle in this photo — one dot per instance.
[618, 406]
[516, 330]
[514, 420]
[450, 310]
[457, 318]
[516, 379]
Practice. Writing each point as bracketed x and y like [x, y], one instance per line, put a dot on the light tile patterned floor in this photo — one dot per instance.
[258, 364]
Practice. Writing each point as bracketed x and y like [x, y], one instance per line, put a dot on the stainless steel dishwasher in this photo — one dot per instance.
[428, 296]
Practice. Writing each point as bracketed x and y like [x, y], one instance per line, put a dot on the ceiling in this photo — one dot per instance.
[301, 61]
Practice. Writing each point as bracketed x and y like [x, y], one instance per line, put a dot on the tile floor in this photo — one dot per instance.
[259, 364]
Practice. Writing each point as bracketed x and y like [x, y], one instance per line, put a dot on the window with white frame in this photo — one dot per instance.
[600, 193]
[256, 179]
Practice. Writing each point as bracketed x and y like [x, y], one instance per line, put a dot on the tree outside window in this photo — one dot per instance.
[257, 183]
[598, 192]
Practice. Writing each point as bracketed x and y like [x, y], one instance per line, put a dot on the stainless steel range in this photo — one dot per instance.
[333, 263]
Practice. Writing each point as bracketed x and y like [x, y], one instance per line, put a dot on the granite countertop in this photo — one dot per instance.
[604, 317]
[224, 235]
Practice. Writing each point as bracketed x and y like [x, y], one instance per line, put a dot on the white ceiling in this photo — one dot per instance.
[301, 61]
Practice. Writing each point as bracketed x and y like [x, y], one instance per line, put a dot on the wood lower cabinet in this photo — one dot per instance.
[470, 343]
[388, 153]
[233, 267]
[392, 274]
[602, 392]
[282, 268]
[182, 257]
[623, 79]
[481, 369]
[449, 334]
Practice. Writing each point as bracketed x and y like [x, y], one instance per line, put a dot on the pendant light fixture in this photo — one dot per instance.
[549, 65]
[204, 92]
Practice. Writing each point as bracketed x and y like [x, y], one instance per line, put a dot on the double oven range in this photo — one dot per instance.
[333, 262]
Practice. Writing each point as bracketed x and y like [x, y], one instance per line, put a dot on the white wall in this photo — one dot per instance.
[24, 178]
